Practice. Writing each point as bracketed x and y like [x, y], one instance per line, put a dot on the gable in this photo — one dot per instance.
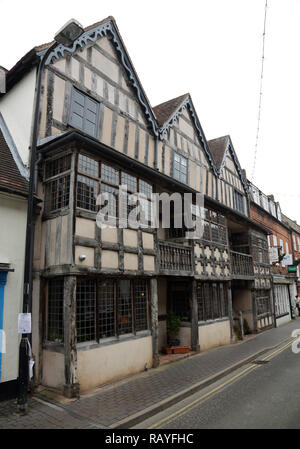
[183, 132]
[99, 61]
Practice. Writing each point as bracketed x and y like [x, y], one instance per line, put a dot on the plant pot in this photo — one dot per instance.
[173, 342]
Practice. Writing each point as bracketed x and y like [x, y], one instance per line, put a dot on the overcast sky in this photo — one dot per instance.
[209, 48]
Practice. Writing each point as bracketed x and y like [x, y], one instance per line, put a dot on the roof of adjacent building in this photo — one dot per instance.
[291, 223]
[11, 179]
[218, 148]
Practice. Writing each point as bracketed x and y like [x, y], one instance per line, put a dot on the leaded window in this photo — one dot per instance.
[57, 177]
[124, 307]
[107, 309]
[141, 305]
[109, 174]
[96, 177]
[57, 194]
[214, 227]
[85, 310]
[87, 191]
[180, 168]
[238, 201]
[260, 252]
[88, 165]
[104, 308]
[55, 311]
[212, 301]
[263, 302]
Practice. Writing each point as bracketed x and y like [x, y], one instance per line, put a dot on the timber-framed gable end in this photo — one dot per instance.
[187, 104]
[90, 36]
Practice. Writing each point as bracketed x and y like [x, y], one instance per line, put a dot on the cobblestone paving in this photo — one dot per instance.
[115, 404]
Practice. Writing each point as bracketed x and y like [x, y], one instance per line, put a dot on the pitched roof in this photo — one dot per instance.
[217, 148]
[164, 111]
[11, 179]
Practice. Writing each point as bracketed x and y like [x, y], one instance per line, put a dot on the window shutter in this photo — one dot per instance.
[84, 113]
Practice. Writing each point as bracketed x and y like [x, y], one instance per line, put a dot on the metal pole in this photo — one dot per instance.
[23, 379]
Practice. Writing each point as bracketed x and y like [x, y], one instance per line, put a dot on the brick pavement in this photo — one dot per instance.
[110, 405]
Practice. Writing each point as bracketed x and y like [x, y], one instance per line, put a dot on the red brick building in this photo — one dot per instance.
[294, 230]
[265, 211]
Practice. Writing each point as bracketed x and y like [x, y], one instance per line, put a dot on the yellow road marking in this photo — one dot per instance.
[216, 390]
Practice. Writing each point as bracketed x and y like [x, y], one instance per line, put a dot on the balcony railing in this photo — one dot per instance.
[174, 257]
[241, 264]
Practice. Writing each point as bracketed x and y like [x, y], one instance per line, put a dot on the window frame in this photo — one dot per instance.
[141, 197]
[50, 180]
[218, 221]
[86, 96]
[117, 332]
[238, 200]
[215, 300]
[176, 154]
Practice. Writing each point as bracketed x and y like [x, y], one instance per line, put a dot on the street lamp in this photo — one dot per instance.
[65, 36]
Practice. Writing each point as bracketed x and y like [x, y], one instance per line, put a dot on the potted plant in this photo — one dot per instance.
[173, 327]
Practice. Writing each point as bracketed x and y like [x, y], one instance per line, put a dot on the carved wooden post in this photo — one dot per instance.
[254, 308]
[71, 387]
[194, 318]
[154, 322]
[230, 311]
[241, 325]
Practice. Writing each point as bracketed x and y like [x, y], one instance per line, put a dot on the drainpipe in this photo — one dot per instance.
[23, 379]
[156, 153]
[273, 294]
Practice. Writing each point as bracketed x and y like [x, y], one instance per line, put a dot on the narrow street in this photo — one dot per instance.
[257, 396]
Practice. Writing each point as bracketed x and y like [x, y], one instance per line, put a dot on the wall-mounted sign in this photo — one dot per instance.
[292, 269]
[273, 255]
[287, 260]
[24, 323]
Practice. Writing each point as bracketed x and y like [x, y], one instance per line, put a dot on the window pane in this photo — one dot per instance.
[57, 193]
[206, 230]
[55, 331]
[223, 235]
[130, 181]
[58, 166]
[145, 188]
[141, 305]
[87, 190]
[106, 309]
[180, 168]
[214, 232]
[200, 301]
[112, 200]
[238, 201]
[85, 310]
[88, 165]
[109, 174]
[125, 308]
[145, 209]
[215, 301]
[207, 298]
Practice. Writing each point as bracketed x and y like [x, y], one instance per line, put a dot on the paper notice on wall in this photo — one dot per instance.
[273, 255]
[24, 323]
[287, 260]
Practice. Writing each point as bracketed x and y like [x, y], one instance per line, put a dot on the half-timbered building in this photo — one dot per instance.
[102, 295]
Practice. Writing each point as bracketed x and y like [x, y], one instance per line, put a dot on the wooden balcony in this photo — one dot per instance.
[241, 265]
[175, 259]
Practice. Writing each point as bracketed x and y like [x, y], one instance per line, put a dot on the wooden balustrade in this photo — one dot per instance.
[174, 257]
[241, 264]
